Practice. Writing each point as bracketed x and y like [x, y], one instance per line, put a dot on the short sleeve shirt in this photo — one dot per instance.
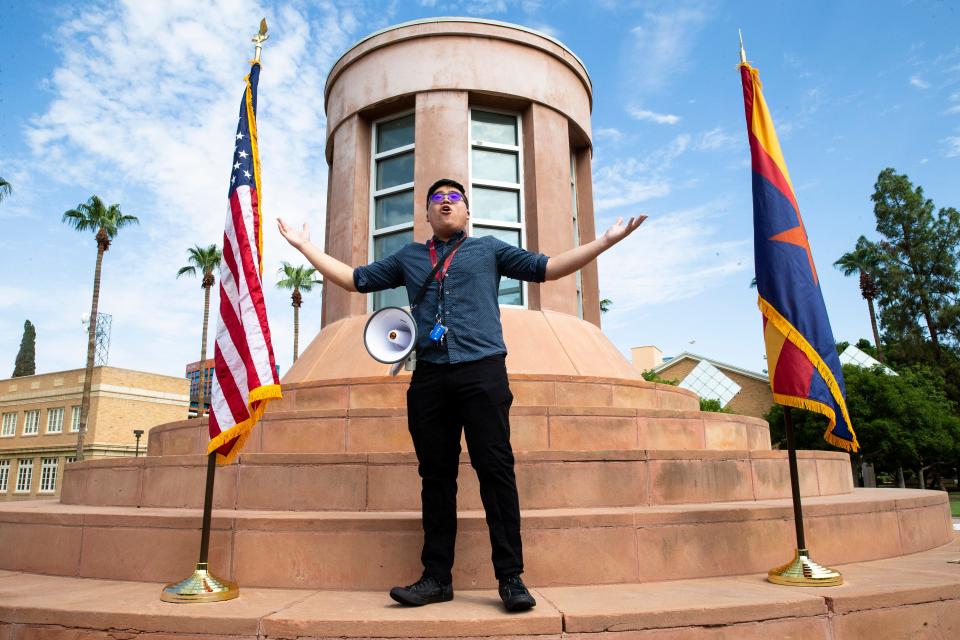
[471, 311]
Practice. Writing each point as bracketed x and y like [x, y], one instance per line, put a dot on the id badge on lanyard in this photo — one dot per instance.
[439, 332]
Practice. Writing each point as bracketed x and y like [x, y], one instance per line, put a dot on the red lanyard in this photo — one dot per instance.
[442, 273]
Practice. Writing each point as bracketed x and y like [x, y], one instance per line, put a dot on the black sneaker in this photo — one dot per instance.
[426, 590]
[515, 595]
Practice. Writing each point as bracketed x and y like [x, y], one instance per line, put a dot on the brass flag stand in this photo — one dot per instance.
[802, 571]
[203, 586]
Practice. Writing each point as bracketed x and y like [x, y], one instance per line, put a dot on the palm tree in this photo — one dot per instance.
[5, 189]
[297, 278]
[863, 260]
[105, 222]
[204, 260]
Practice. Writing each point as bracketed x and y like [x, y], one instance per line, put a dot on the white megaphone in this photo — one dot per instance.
[390, 336]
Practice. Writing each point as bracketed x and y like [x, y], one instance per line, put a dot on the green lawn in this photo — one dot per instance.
[955, 504]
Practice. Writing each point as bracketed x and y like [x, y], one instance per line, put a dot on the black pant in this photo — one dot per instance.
[441, 400]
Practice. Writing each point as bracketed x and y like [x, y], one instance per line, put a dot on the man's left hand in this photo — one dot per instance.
[619, 230]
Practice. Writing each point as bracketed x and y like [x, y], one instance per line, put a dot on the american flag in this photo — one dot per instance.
[245, 375]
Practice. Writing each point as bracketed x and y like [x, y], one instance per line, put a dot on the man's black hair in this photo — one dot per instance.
[447, 182]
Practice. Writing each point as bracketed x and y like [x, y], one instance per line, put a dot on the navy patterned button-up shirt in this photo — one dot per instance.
[471, 312]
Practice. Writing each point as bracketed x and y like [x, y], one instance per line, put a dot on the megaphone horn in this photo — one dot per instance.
[390, 335]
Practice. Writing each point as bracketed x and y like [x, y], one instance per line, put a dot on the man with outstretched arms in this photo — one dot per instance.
[460, 380]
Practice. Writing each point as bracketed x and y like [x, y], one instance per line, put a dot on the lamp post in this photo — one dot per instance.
[137, 433]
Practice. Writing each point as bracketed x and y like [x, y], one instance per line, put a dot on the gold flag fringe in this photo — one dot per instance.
[797, 339]
[257, 404]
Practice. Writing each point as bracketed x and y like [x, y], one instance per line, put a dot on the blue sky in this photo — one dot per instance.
[136, 101]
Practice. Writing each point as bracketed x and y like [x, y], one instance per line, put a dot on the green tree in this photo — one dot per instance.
[105, 222]
[605, 305]
[918, 271]
[5, 189]
[299, 278]
[26, 363]
[863, 260]
[713, 405]
[652, 376]
[203, 260]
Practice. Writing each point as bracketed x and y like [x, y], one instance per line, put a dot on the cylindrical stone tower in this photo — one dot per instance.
[499, 108]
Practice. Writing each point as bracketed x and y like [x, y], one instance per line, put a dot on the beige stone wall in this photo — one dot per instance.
[121, 400]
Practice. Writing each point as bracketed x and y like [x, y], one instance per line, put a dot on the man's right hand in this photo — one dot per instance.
[296, 238]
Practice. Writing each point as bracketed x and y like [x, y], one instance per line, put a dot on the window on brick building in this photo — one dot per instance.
[48, 474]
[31, 422]
[24, 475]
[55, 420]
[9, 425]
[4, 475]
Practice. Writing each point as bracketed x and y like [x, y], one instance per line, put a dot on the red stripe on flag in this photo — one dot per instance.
[231, 393]
[793, 373]
[766, 167]
[234, 326]
[251, 273]
[747, 79]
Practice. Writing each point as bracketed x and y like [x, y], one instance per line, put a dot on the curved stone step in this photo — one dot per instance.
[533, 428]
[389, 481]
[338, 550]
[912, 596]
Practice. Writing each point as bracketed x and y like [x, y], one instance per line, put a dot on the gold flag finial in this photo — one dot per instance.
[259, 38]
[743, 54]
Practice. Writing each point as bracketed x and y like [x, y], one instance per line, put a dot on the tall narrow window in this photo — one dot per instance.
[576, 229]
[74, 419]
[24, 475]
[496, 197]
[55, 420]
[31, 422]
[48, 474]
[4, 475]
[9, 425]
[391, 201]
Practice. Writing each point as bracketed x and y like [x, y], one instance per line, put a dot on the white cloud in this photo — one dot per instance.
[631, 181]
[919, 82]
[659, 118]
[610, 134]
[545, 29]
[671, 257]
[660, 46]
[953, 146]
[716, 139]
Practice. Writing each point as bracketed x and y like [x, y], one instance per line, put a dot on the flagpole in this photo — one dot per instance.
[202, 586]
[802, 571]
[794, 477]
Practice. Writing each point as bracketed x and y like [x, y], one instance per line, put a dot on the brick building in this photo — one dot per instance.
[40, 417]
[739, 390]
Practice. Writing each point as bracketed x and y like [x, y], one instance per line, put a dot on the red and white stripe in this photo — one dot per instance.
[243, 354]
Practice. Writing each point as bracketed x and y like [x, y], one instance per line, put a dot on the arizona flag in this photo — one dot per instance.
[801, 355]
[245, 375]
